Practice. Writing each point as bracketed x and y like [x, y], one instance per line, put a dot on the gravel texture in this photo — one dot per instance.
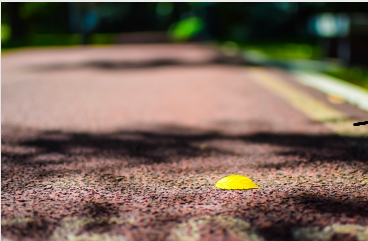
[127, 142]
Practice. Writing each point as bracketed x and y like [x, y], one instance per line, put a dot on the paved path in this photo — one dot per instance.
[126, 142]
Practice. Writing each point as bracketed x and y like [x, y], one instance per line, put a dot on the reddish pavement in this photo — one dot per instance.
[126, 143]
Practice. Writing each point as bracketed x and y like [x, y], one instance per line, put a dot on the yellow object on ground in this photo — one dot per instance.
[236, 182]
[335, 99]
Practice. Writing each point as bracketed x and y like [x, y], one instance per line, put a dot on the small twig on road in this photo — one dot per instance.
[241, 159]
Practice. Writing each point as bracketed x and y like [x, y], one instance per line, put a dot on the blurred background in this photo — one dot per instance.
[326, 37]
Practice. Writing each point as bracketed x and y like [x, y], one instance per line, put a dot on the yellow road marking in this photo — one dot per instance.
[314, 109]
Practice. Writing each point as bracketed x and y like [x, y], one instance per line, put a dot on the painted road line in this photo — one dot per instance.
[314, 109]
[330, 85]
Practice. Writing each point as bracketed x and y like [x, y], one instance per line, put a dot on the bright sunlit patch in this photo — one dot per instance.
[236, 182]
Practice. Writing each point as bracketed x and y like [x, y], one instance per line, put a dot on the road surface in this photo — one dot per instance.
[126, 143]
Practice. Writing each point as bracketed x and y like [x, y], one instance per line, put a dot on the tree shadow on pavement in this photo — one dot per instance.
[337, 205]
[124, 65]
[313, 148]
[164, 143]
[284, 211]
[37, 228]
[168, 144]
[307, 209]
[153, 147]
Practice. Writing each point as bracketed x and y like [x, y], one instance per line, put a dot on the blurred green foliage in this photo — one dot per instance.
[54, 39]
[286, 50]
[5, 32]
[31, 10]
[164, 8]
[186, 28]
[354, 74]
[278, 30]
[219, 21]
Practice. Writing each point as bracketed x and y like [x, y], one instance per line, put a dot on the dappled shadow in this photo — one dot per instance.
[36, 228]
[123, 65]
[309, 209]
[273, 211]
[271, 214]
[171, 143]
[338, 205]
[102, 210]
[152, 147]
[49, 148]
[47, 151]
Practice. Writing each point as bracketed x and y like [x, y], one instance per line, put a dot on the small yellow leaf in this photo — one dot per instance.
[236, 182]
[364, 181]
[335, 99]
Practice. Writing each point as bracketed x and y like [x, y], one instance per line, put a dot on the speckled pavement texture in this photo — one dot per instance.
[127, 142]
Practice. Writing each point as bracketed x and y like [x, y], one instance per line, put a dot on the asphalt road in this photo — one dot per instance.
[126, 143]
